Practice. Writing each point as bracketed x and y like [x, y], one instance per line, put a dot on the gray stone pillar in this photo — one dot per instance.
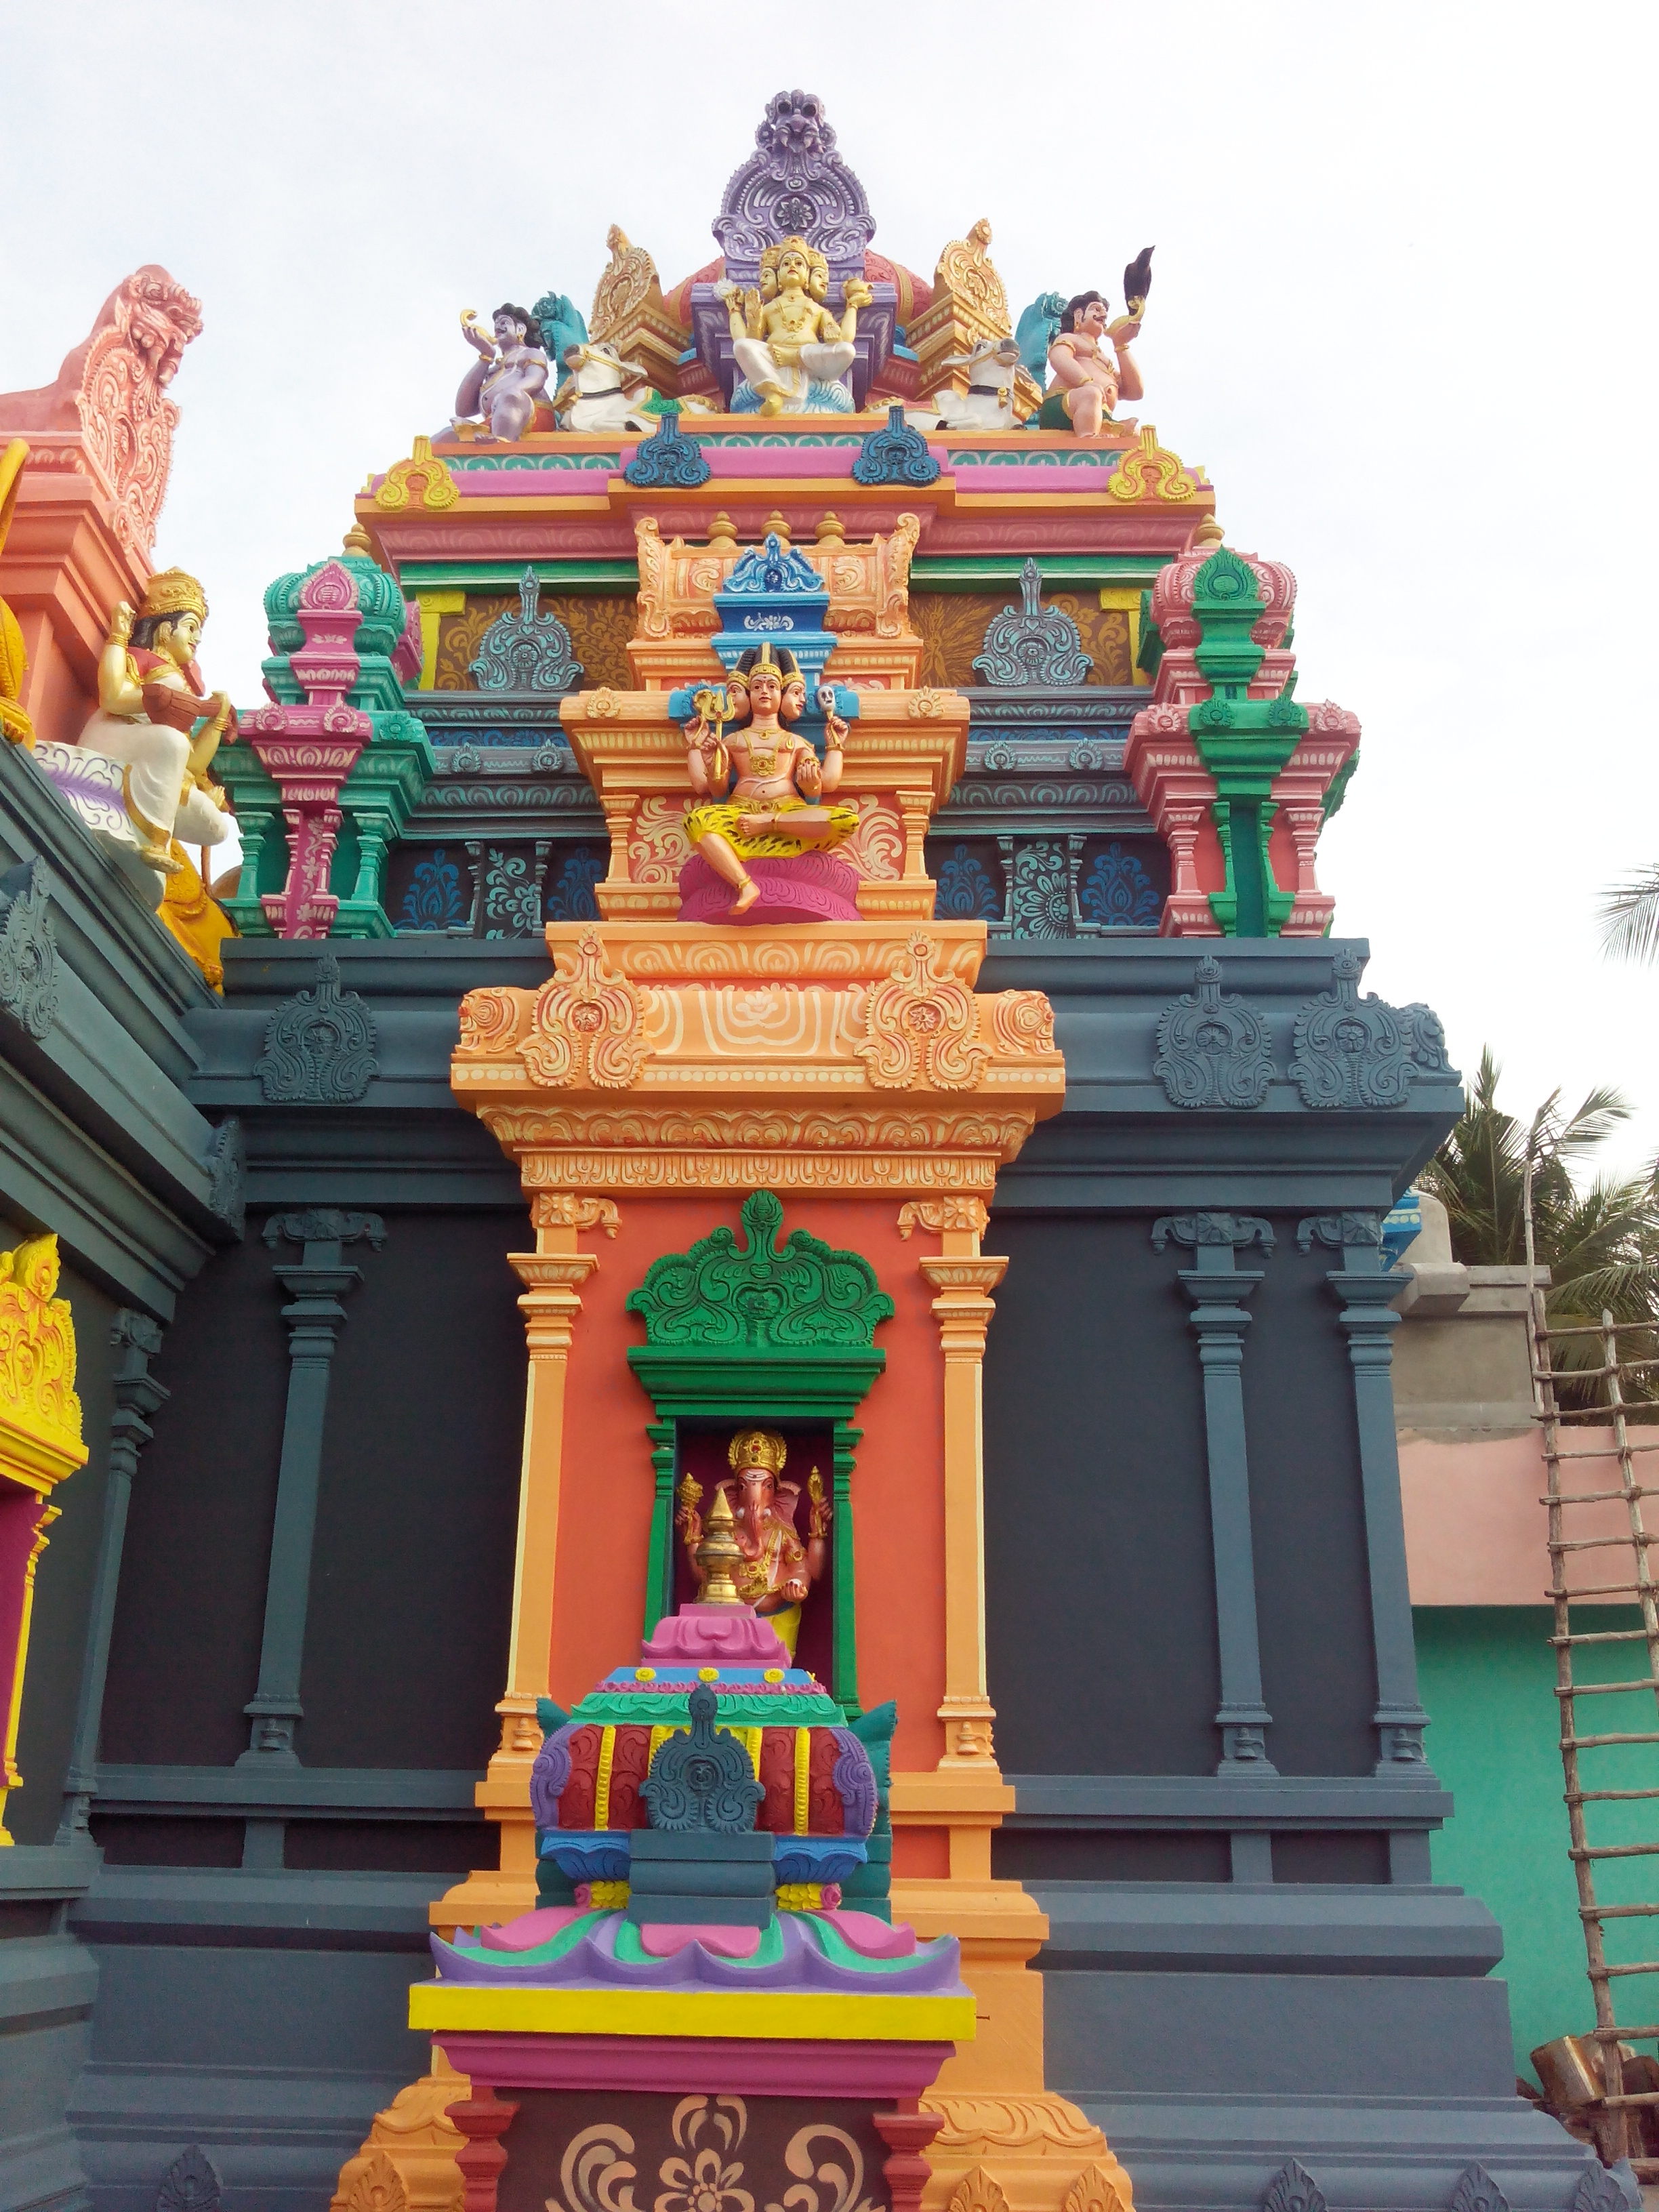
[1217, 1289]
[137, 1339]
[1365, 1290]
[316, 1285]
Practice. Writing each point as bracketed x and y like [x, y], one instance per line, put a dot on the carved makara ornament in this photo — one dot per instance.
[1213, 1047]
[921, 1027]
[1354, 1052]
[587, 1026]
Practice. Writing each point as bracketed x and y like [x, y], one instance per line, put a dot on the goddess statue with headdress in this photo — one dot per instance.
[775, 809]
[793, 353]
[151, 720]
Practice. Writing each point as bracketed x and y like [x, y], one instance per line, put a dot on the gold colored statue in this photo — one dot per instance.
[147, 719]
[773, 811]
[773, 1571]
[784, 336]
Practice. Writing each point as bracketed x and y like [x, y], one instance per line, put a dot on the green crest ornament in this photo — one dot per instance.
[761, 1296]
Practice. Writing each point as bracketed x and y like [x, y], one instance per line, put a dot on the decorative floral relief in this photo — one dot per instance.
[570, 895]
[433, 899]
[965, 892]
[1040, 891]
[1117, 892]
[876, 848]
[512, 895]
[588, 1024]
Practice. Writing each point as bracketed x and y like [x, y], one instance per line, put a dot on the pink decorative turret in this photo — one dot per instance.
[1179, 791]
[309, 751]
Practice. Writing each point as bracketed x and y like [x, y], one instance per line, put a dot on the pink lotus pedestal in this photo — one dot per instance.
[812, 887]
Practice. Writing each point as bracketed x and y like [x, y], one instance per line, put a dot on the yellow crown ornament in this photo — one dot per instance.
[173, 593]
[757, 1448]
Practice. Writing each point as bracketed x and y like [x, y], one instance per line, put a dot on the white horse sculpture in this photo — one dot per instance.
[602, 392]
[988, 402]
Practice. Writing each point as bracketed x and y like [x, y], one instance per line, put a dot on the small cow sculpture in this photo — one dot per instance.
[601, 391]
[988, 402]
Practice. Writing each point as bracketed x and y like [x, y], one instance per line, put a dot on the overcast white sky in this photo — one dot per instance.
[1402, 313]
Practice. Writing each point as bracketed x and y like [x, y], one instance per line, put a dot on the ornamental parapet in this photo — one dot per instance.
[849, 1058]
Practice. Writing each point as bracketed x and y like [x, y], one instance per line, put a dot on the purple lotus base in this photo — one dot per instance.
[809, 887]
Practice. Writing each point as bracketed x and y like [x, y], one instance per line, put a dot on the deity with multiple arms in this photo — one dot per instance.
[150, 721]
[776, 1570]
[503, 385]
[1090, 386]
[785, 338]
[774, 811]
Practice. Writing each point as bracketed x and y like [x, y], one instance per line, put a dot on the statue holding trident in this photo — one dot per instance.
[785, 340]
[775, 810]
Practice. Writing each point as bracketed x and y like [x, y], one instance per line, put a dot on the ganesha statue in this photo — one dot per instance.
[795, 353]
[773, 1571]
[151, 721]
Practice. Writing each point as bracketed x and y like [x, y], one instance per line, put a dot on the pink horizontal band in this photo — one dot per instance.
[736, 2065]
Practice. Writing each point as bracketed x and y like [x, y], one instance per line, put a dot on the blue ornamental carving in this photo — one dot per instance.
[1040, 892]
[571, 898]
[896, 455]
[1212, 1047]
[319, 1049]
[821, 398]
[1353, 1053]
[526, 651]
[703, 1780]
[667, 462]
[1213, 1230]
[28, 948]
[1117, 892]
[433, 899]
[965, 891]
[1032, 643]
[771, 567]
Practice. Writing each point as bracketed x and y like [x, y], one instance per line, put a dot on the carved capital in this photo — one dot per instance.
[944, 1216]
[569, 1209]
[550, 1304]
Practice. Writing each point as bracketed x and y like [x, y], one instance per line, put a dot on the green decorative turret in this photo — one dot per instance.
[1244, 742]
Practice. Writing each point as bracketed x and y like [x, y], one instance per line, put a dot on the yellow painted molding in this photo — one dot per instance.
[433, 605]
[459, 2007]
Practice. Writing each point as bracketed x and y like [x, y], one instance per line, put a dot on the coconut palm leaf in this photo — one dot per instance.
[1630, 918]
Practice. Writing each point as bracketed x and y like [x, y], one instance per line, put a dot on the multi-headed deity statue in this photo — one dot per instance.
[776, 1569]
[775, 809]
[150, 720]
[1088, 384]
[793, 353]
[509, 376]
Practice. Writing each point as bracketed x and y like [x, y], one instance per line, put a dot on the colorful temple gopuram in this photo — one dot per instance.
[698, 1493]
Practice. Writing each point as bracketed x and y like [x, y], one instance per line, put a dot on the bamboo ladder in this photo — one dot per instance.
[1556, 1423]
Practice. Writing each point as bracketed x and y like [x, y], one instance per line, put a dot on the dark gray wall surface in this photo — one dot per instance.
[1100, 1595]
[185, 1654]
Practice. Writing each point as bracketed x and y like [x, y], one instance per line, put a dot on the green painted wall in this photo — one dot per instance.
[1488, 1674]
